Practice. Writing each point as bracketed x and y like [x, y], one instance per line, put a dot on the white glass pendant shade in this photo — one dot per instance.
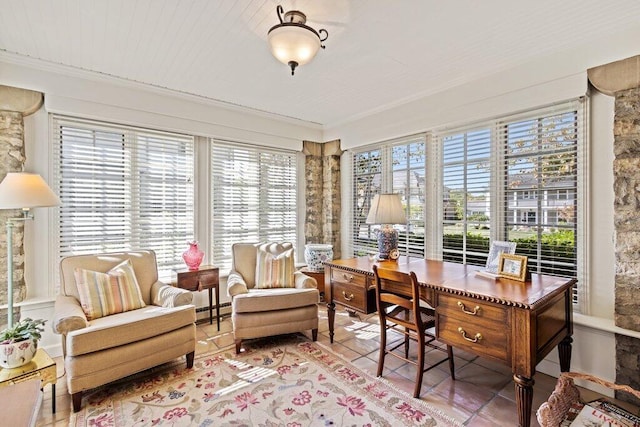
[293, 43]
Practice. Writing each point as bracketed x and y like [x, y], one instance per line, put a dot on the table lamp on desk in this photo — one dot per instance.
[386, 209]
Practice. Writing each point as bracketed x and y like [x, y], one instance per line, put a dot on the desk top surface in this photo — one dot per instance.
[462, 279]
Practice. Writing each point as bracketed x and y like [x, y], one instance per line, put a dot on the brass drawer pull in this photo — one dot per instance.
[348, 277]
[475, 311]
[347, 297]
[477, 338]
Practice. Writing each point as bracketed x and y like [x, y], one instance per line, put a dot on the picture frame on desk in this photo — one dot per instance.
[497, 248]
[513, 267]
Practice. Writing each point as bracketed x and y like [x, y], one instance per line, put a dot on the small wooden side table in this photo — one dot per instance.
[41, 366]
[205, 277]
[319, 276]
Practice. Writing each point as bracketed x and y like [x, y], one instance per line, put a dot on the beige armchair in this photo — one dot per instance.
[259, 312]
[107, 348]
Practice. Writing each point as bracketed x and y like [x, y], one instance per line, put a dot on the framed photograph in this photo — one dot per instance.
[512, 267]
[497, 248]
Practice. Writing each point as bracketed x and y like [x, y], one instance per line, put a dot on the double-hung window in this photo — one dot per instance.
[123, 188]
[513, 178]
[394, 167]
[253, 193]
[502, 180]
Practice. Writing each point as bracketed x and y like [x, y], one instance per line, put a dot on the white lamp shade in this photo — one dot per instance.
[293, 43]
[386, 209]
[21, 190]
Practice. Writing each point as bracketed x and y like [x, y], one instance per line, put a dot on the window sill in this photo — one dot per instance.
[602, 324]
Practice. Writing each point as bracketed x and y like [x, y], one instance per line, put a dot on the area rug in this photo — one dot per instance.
[289, 382]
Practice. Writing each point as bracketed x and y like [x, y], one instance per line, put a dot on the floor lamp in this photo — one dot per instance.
[21, 190]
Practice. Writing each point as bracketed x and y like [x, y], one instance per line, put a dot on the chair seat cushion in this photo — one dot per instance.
[257, 300]
[125, 328]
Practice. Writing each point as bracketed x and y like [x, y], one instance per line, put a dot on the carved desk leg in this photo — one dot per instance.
[331, 315]
[524, 399]
[564, 353]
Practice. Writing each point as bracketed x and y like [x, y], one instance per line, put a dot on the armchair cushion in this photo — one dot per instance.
[274, 270]
[262, 300]
[125, 328]
[115, 291]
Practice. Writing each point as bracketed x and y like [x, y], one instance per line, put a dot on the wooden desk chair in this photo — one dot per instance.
[398, 299]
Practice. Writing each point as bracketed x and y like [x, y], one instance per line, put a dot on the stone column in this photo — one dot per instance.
[331, 195]
[14, 105]
[322, 193]
[622, 79]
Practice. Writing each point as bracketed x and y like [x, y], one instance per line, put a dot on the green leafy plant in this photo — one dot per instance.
[23, 330]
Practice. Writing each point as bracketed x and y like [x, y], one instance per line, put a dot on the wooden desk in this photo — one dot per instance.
[205, 277]
[510, 322]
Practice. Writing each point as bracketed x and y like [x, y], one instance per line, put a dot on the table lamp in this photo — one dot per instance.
[386, 209]
[21, 190]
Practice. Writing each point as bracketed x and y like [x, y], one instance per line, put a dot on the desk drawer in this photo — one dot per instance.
[348, 277]
[472, 310]
[489, 341]
[350, 295]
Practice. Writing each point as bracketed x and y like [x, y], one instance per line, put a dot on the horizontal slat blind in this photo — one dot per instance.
[254, 194]
[123, 188]
[408, 160]
[541, 167]
[399, 167]
[466, 178]
[367, 182]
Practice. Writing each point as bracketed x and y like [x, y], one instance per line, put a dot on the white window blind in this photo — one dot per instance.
[516, 179]
[466, 197]
[541, 189]
[123, 188]
[254, 192]
[399, 167]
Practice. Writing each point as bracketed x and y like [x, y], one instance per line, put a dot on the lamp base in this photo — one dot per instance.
[387, 241]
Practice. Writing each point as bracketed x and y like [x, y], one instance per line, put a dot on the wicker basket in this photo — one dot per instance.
[554, 410]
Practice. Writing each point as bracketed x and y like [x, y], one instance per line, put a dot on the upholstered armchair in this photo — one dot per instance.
[117, 319]
[267, 296]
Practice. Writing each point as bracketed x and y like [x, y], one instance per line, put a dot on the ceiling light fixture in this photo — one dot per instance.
[292, 42]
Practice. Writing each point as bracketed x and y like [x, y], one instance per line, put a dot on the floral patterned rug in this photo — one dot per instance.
[283, 382]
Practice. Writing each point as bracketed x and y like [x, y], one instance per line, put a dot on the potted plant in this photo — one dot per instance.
[19, 343]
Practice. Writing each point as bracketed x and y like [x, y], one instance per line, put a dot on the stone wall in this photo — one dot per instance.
[322, 193]
[15, 104]
[12, 157]
[626, 170]
[622, 80]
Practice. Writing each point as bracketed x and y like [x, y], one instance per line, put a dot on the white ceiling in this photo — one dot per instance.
[379, 52]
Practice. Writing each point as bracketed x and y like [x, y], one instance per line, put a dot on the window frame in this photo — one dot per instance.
[434, 209]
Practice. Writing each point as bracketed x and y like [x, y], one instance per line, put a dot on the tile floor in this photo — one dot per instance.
[482, 394]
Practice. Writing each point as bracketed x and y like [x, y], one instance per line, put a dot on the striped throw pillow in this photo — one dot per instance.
[115, 291]
[274, 271]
